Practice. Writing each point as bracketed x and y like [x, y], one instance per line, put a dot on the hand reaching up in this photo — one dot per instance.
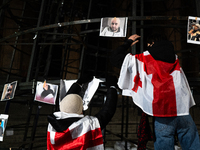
[134, 37]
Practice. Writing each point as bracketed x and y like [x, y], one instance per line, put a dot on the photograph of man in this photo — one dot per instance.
[9, 91]
[113, 27]
[193, 30]
[46, 93]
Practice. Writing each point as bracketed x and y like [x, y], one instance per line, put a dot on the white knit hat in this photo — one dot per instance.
[72, 103]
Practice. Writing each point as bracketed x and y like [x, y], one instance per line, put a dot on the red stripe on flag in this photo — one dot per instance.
[164, 101]
[137, 82]
[49, 146]
[64, 141]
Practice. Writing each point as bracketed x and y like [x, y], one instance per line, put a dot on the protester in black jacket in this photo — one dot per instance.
[59, 125]
[162, 50]
[160, 56]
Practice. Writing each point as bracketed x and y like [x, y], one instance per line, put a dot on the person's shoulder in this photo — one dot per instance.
[106, 28]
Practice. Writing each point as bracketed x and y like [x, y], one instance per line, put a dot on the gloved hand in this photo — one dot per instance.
[84, 78]
[111, 81]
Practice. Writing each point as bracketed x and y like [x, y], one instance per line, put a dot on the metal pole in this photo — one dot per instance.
[83, 49]
[127, 116]
[2, 13]
[122, 123]
[27, 123]
[48, 61]
[34, 127]
[11, 64]
[141, 29]
[87, 21]
[67, 47]
[15, 45]
[35, 43]
[133, 48]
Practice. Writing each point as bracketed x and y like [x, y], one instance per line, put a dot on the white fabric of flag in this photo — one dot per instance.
[158, 88]
[84, 134]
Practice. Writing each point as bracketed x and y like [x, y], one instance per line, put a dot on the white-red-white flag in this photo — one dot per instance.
[84, 134]
[158, 88]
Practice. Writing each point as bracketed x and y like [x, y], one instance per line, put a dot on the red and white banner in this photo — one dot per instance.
[158, 88]
[84, 134]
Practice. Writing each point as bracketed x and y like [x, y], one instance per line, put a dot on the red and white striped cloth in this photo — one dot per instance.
[84, 134]
[158, 88]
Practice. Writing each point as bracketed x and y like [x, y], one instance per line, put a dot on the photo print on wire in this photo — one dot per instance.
[193, 30]
[46, 92]
[3, 123]
[9, 91]
[113, 27]
[87, 92]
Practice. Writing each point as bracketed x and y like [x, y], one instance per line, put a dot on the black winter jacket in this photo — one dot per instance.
[104, 115]
[161, 50]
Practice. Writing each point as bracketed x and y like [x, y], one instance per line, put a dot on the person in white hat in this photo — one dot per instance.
[70, 129]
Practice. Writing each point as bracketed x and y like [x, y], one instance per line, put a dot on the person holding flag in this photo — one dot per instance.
[70, 129]
[158, 85]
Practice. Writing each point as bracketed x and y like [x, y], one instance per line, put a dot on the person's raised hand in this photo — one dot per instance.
[111, 81]
[134, 37]
[84, 78]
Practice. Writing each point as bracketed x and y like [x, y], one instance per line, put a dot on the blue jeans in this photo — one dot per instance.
[184, 126]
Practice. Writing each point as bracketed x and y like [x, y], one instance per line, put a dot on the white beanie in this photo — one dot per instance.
[72, 103]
